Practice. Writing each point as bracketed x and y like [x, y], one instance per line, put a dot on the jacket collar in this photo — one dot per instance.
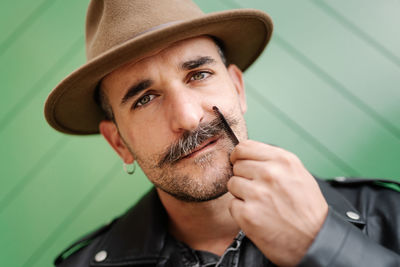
[139, 236]
[340, 204]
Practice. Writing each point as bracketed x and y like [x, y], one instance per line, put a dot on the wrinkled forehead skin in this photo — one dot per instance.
[172, 55]
[152, 56]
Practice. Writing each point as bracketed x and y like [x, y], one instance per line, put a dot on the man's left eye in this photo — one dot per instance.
[144, 100]
[200, 76]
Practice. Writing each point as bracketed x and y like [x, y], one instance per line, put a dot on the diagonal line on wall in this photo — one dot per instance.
[304, 60]
[298, 129]
[357, 31]
[32, 173]
[21, 28]
[337, 86]
[79, 208]
[9, 115]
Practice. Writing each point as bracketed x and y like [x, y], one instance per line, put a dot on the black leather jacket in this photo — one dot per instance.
[362, 229]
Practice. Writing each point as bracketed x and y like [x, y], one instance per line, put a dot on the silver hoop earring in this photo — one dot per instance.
[129, 168]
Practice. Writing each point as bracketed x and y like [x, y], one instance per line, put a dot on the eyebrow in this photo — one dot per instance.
[136, 89]
[144, 84]
[200, 61]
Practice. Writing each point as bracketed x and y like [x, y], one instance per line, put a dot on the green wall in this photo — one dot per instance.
[326, 88]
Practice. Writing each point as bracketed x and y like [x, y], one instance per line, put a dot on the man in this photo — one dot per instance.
[156, 71]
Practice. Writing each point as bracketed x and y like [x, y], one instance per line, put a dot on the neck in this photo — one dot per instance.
[205, 225]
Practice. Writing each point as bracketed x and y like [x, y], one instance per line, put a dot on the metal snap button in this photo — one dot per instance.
[340, 179]
[353, 215]
[100, 256]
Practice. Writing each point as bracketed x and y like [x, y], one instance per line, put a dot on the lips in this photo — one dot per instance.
[201, 147]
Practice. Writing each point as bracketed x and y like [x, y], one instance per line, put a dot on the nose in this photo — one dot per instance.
[185, 111]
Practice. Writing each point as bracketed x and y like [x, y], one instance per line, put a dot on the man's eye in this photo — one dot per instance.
[144, 100]
[200, 76]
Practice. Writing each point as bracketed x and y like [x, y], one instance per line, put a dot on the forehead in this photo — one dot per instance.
[173, 54]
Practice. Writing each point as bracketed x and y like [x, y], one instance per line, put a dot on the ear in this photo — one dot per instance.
[237, 78]
[110, 132]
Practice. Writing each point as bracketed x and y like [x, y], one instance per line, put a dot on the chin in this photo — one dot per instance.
[198, 197]
[200, 184]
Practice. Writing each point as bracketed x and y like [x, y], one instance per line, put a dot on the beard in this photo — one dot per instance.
[207, 183]
[200, 179]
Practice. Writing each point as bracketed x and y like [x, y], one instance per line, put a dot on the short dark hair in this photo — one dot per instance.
[103, 102]
[102, 99]
[221, 50]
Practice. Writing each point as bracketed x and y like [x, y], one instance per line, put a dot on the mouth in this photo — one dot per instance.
[208, 144]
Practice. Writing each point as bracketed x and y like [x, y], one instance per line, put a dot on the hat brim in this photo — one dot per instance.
[71, 108]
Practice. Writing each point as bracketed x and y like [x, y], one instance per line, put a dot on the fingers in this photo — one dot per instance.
[276, 200]
[244, 168]
[256, 170]
[239, 187]
[254, 150]
[236, 208]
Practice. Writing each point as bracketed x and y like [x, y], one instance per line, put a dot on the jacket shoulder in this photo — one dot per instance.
[107, 244]
[368, 194]
[376, 200]
[355, 181]
[82, 249]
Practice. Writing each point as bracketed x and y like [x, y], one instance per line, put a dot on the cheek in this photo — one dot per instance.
[229, 103]
[227, 95]
[147, 139]
[220, 95]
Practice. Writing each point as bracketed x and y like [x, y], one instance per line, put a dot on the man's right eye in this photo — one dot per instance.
[144, 100]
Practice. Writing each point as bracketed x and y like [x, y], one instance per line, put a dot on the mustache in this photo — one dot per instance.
[190, 140]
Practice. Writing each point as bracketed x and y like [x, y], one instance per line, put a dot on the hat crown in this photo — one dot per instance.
[110, 23]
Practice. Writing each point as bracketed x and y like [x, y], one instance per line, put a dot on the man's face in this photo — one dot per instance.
[162, 106]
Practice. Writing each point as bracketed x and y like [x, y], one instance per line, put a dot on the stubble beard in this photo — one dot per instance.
[210, 171]
[208, 182]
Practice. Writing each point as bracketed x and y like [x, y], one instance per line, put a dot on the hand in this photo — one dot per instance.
[278, 203]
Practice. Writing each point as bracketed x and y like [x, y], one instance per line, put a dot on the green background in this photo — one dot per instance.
[326, 88]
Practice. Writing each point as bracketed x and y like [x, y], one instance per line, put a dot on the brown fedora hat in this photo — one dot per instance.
[119, 31]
